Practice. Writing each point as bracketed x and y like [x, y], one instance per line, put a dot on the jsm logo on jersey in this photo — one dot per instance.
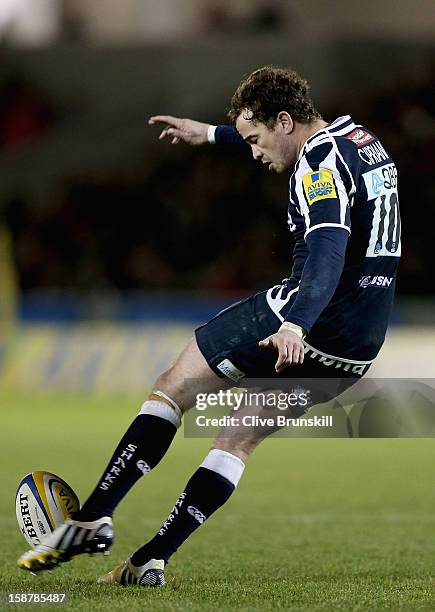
[375, 281]
[360, 137]
[319, 186]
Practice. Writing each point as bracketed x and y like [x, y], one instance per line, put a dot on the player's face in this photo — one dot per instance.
[274, 147]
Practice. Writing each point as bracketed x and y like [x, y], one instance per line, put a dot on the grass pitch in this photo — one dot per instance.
[314, 525]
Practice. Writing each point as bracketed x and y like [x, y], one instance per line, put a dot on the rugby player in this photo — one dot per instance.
[327, 320]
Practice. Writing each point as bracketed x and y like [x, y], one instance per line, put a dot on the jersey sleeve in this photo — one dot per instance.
[228, 135]
[321, 274]
[321, 188]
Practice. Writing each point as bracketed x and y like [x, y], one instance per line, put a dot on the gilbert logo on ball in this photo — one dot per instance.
[43, 502]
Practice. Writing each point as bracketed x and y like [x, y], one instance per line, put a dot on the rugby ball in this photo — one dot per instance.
[43, 502]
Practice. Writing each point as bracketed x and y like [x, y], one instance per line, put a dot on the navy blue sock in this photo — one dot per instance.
[205, 492]
[141, 448]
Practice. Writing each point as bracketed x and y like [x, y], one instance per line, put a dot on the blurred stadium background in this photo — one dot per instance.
[114, 245]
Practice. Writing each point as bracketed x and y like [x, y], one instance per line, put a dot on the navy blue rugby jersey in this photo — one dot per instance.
[344, 178]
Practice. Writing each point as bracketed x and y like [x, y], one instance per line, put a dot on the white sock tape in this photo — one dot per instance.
[162, 410]
[174, 405]
[225, 464]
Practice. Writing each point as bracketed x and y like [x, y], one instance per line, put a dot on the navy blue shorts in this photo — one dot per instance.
[229, 343]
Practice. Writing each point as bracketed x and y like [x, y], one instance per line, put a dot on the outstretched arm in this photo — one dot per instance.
[194, 132]
[188, 130]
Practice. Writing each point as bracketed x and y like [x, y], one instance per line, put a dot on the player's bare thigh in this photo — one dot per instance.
[189, 375]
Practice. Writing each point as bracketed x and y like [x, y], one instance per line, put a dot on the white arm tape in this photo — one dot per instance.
[211, 134]
[297, 329]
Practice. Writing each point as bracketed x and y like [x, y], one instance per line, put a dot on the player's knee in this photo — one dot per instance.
[163, 380]
[169, 383]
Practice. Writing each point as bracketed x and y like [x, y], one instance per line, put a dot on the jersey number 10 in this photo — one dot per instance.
[385, 233]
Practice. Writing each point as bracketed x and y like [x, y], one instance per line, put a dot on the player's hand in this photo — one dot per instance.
[289, 346]
[188, 130]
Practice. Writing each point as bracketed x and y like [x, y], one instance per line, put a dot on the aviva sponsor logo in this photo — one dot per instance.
[319, 186]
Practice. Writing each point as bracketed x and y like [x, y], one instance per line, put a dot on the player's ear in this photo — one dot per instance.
[285, 121]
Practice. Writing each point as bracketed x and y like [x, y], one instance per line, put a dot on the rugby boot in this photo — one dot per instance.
[149, 575]
[70, 539]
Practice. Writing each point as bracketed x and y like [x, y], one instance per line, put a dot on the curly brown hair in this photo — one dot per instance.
[269, 90]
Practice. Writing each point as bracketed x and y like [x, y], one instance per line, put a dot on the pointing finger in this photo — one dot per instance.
[173, 121]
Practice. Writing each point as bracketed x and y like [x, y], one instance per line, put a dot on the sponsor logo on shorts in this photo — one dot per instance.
[360, 137]
[375, 281]
[337, 364]
[230, 370]
[197, 514]
[319, 186]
